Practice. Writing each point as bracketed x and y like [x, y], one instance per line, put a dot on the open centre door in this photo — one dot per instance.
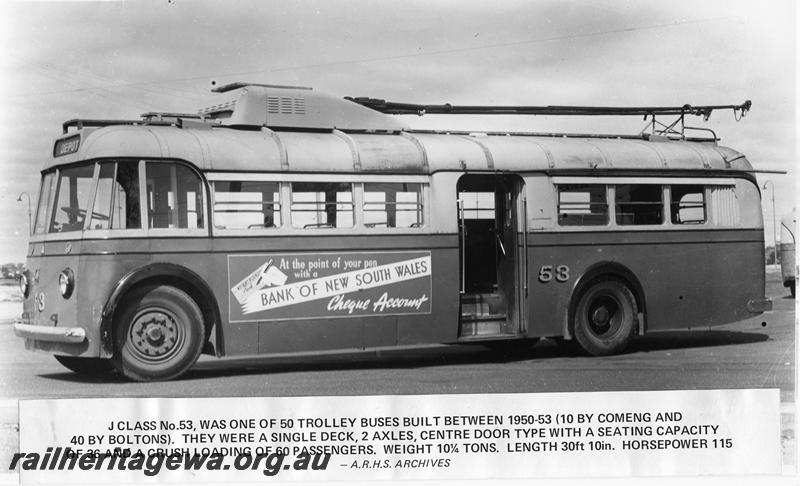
[492, 256]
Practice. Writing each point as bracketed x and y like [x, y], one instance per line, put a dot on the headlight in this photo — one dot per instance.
[66, 283]
[24, 284]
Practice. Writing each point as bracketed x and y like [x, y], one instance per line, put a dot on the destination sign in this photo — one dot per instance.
[67, 146]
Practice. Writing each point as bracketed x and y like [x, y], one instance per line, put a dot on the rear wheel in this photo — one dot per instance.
[605, 318]
[158, 333]
[86, 366]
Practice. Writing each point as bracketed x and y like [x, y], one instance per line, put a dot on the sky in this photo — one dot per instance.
[65, 60]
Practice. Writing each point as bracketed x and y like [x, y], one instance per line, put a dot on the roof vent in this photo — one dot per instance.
[295, 107]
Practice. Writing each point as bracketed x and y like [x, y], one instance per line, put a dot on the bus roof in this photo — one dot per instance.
[294, 129]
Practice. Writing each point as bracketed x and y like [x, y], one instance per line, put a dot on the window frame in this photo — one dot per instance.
[665, 182]
[55, 190]
[145, 206]
[609, 214]
[357, 180]
[706, 192]
[47, 204]
[145, 231]
[247, 231]
[419, 205]
[352, 203]
[108, 232]
[662, 202]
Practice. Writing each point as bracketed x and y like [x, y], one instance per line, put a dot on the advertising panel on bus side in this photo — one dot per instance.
[265, 287]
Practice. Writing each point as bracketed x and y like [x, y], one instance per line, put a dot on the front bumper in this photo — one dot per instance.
[757, 306]
[52, 334]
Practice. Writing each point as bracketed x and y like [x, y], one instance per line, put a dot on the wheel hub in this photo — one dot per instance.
[600, 316]
[604, 315]
[154, 334]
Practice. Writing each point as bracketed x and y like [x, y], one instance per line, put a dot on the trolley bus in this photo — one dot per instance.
[285, 221]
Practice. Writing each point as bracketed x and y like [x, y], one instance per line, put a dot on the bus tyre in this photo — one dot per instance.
[86, 366]
[605, 318]
[158, 334]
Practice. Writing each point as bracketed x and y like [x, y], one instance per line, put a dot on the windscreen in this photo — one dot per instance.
[71, 199]
[42, 211]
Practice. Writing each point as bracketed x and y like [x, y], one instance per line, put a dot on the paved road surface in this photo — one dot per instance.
[756, 353]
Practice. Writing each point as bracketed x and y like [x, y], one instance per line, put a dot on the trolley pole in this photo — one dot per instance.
[774, 233]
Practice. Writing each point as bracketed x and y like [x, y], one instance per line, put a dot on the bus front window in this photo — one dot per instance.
[44, 203]
[72, 198]
[116, 202]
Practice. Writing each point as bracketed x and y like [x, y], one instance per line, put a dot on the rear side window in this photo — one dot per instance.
[174, 196]
[687, 204]
[639, 204]
[582, 205]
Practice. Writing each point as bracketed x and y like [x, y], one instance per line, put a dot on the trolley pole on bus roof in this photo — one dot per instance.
[774, 234]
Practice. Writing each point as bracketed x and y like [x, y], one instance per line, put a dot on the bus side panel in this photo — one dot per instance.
[689, 278]
[305, 329]
[209, 259]
[441, 325]
[342, 332]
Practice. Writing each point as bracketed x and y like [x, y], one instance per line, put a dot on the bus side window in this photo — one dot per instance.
[688, 204]
[322, 205]
[246, 205]
[639, 204]
[582, 205]
[392, 205]
[174, 196]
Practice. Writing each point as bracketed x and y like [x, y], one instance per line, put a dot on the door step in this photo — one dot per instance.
[490, 337]
[483, 304]
[483, 317]
[482, 327]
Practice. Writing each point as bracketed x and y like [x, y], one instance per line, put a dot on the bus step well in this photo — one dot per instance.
[482, 304]
[482, 328]
[483, 314]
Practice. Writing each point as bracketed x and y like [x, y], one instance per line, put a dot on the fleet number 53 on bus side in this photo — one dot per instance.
[285, 221]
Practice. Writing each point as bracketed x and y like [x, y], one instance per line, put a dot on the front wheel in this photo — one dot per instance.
[158, 334]
[605, 318]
